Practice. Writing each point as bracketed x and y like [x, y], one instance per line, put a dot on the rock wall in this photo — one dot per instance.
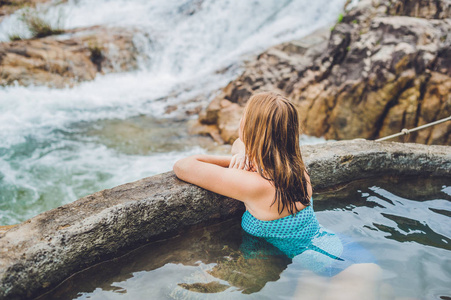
[39, 253]
[386, 66]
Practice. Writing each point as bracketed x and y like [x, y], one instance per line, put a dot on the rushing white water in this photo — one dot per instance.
[57, 145]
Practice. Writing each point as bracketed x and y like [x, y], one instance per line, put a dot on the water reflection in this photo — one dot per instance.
[214, 251]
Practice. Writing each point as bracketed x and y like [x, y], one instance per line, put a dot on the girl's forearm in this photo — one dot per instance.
[185, 168]
[219, 160]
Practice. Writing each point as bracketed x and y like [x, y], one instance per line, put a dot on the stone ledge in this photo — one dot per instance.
[41, 252]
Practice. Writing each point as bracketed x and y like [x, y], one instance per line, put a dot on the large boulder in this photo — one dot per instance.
[64, 60]
[39, 253]
[385, 67]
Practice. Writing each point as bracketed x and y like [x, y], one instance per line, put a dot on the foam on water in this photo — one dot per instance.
[46, 159]
[66, 171]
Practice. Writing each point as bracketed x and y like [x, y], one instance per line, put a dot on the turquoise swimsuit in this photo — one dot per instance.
[301, 238]
[303, 225]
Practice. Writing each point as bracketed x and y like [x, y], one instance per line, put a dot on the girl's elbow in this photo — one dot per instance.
[182, 167]
[178, 168]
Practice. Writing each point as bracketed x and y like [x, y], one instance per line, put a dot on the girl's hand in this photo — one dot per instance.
[238, 146]
[239, 161]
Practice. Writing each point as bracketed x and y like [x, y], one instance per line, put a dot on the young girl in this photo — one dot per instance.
[267, 173]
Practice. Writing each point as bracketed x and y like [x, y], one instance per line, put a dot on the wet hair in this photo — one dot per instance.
[271, 137]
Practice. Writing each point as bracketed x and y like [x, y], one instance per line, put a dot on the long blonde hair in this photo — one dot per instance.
[271, 138]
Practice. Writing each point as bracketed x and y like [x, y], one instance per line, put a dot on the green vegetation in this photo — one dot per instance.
[14, 37]
[339, 20]
[38, 26]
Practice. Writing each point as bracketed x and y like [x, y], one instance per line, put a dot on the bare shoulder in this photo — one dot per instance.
[257, 186]
[246, 186]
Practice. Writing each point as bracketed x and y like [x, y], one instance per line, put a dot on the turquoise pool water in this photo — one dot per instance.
[404, 224]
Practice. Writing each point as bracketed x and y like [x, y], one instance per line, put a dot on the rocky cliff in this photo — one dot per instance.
[383, 67]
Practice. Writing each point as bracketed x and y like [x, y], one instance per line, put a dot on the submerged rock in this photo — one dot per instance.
[207, 288]
[41, 252]
[385, 67]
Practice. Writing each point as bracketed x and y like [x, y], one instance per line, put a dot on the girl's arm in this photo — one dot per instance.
[211, 172]
[219, 160]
